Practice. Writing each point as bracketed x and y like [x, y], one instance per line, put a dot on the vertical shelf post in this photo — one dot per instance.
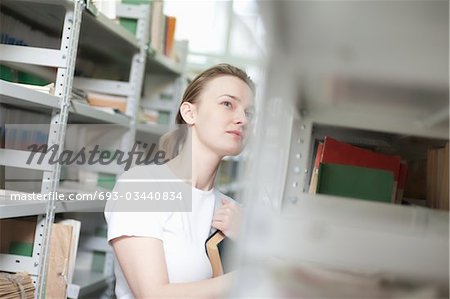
[50, 179]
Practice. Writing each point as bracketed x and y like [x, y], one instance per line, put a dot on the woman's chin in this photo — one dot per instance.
[233, 151]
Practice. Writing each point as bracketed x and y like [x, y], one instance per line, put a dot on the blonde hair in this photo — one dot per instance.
[172, 142]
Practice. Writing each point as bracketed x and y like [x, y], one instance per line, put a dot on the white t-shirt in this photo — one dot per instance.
[183, 233]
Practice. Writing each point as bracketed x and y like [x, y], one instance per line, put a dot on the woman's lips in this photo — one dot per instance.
[235, 133]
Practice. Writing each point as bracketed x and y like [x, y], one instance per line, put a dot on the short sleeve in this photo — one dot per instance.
[139, 224]
[123, 222]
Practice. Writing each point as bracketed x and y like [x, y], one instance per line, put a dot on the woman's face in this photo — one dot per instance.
[223, 113]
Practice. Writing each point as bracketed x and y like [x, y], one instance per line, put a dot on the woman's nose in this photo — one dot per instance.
[241, 117]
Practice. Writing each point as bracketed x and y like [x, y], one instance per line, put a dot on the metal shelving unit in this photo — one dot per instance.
[379, 89]
[63, 59]
[97, 39]
[351, 70]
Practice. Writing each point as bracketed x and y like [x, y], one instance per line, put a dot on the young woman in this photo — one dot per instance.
[162, 254]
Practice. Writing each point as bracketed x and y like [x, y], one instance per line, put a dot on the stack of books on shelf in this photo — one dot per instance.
[16, 76]
[107, 102]
[162, 26]
[17, 285]
[79, 95]
[15, 32]
[342, 169]
[17, 237]
[20, 128]
[437, 178]
[48, 89]
[101, 101]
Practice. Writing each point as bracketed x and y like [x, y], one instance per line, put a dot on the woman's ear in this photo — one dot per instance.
[187, 111]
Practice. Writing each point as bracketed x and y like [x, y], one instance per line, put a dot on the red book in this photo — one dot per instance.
[337, 152]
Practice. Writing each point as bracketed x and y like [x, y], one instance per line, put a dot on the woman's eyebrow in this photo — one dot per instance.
[229, 95]
[238, 100]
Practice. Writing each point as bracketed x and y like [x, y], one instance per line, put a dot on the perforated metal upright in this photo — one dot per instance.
[141, 13]
[298, 170]
[64, 60]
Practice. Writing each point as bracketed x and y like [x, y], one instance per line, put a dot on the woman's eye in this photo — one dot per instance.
[227, 104]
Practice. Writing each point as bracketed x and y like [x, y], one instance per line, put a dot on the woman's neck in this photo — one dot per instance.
[199, 166]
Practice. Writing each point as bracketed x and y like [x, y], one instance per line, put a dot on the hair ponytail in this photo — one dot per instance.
[172, 142]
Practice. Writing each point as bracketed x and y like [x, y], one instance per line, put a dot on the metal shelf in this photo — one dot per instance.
[50, 15]
[46, 73]
[389, 105]
[160, 64]
[80, 206]
[10, 209]
[90, 281]
[21, 208]
[83, 113]
[101, 40]
[26, 98]
[19, 158]
[358, 230]
[393, 121]
[34, 55]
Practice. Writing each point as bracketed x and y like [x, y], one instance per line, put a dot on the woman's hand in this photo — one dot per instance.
[227, 219]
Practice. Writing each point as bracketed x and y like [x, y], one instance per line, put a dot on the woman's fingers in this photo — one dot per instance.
[218, 225]
[222, 218]
[226, 218]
